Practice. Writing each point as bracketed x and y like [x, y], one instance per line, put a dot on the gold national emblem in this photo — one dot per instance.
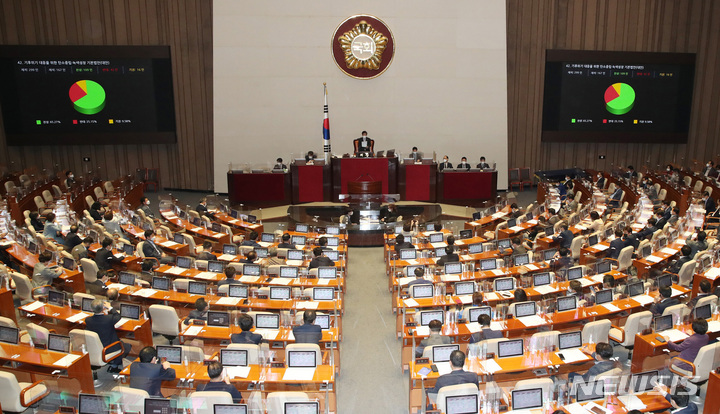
[363, 46]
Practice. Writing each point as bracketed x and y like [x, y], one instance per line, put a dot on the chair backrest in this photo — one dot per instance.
[40, 203]
[688, 180]
[89, 200]
[545, 383]
[79, 296]
[89, 269]
[190, 241]
[305, 347]
[611, 376]
[47, 196]
[597, 331]
[253, 351]
[698, 186]
[542, 340]
[139, 249]
[707, 300]
[23, 286]
[164, 319]
[181, 284]
[94, 347]
[678, 311]
[685, 275]
[706, 361]
[10, 187]
[203, 402]
[514, 174]
[625, 258]
[276, 400]
[39, 334]
[10, 393]
[662, 195]
[98, 193]
[131, 399]
[7, 322]
[452, 391]
[709, 190]
[636, 323]
[109, 188]
[576, 245]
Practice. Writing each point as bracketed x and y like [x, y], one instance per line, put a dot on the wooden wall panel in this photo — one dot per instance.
[184, 25]
[640, 25]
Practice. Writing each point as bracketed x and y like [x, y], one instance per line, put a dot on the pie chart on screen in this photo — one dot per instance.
[619, 98]
[87, 96]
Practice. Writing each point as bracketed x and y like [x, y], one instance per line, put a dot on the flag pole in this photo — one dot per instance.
[326, 127]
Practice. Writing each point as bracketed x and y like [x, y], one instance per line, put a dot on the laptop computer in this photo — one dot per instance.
[184, 262]
[56, 298]
[454, 268]
[566, 303]
[488, 264]
[541, 279]
[323, 293]
[267, 321]
[570, 340]
[589, 391]
[130, 311]
[475, 312]
[288, 271]
[126, 278]
[92, 403]
[280, 292]
[326, 272]
[161, 283]
[216, 266]
[237, 291]
[504, 284]
[525, 309]
[464, 288]
[521, 259]
[197, 288]
[441, 353]
[422, 291]
[408, 254]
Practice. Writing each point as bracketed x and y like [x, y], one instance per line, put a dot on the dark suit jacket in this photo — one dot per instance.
[631, 240]
[104, 326]
[149, 377]
[95, 214]
[615, 247]
[454, 378]
[363, 145]
[229, 282]
[597, 369]
[307, 334]
[565, 238]
[195, 314]
[246, 337]
[483, 165]
[463, 165]
[221, 386]
[320, 261]
[105, 259]
[658, 308]
[405, 245]
[206, 256]
[284, 245]
[201, 209]
[679, 264]
[709, 205]
[690, 409]
[601, 182]
[150, 249]
[444, 165]
[251, 243]
[448, 258]
[485, 333]
[71, 241]
[645, 233]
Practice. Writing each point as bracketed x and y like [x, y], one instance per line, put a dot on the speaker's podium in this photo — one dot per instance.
[365, 199]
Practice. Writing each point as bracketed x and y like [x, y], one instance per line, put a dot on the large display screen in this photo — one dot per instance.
[617, 96]
[55, 95]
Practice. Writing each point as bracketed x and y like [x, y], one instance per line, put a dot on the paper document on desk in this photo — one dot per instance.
[533, 222]
[653, 259]
[674, 335]
[401, 281]
[168, 243]
[545, 289]
[121, 322]
[676, 292]
[237, 372]
[465, 257]
[713, 273]
[497, 326]
[576, 408]
[491, 296]
[438, 245]
[323, 282]
[443, 367]
[611, 307]
[227, 257]
[196, 229]
[234, 221]
[497, 272]
[490, 366]
[714, 326]
[206, 275]
[249, 279]
[450, 278]
[78, 317]
[632, 402]
[422, 331]
[669, 250]
[498, 215]
[228, 301]
[146, 293]
[473, 327]
[294, 262]
[117, 286]
[532, 320]
[32, 306]
[643, 299]
[517, 228]
[193, 330]
[410, 303]
[412, 262]
[531, 267]
[307, 305]
[175, 270]
[264, 244]
[465, 299]
[67, 360]
[601, 247]
[281, 281]
[585, 282]
[572, 355]
[268, 334]
[119, 255]
[299, 374]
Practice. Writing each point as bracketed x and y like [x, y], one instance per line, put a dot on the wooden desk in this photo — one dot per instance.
[346, 170]
[311, 183]
[200, 232]
[243, 227]
[418, 182]
[712, 404]
[466, 187]
[261, 189]
[7, 307]
[653, 401]
[72, 281]
[168, 246]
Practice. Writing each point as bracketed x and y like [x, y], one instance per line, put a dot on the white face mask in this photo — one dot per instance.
[147, 203]
[445, 160]
[72, 176]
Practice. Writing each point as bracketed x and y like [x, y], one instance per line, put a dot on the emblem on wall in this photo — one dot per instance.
[363, 47]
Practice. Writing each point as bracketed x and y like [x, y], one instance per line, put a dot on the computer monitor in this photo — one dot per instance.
[237, 291]
[86, 304]
[541, 279]
[663, 323]
[216, 227]
[9, 335]
[549, 254]
[158, 406]
[68, 263]
[488, 264]
[608, 232]
[230, 409]
[398, 229]
[408, 254]
[333, 241]
[527, 398]
[161, 283]
[56, 298]
[511, 348]
[184, 262]
[288, 271]
[197, 221]
[464, 288]
[703, 312]
[305, 407]
[92, 403]
[664, 280]
[504, 283]
[333, 255]
[251, 269]
[432, 315]
[326, 272]
[475, 312]
[429, 226]
[216, 266]
[521, 259]
[323, 293]
[251, 219]
[588, 391]
[574, 273]
[475, 248]
[441, 353]
[172, 354]
[301, 228]
[436, 237]
[440, 252]
[301, 359]
[504, 244]
[549, 230]
[294, 254]
[635, 289]
[422, 291]
[603, 296]
[322, 321]
[462, 404]
[646, 251]
[280, 292]
[58, 343]
[644, 381]
[662, 242]
[525, 309]
[566, 303]
[603, 267]
[230, 249]
[453, 268]
[298, 240]
[267, 238]
[130, 311]
[234, 213]
[512, 222]
[332, 230]
[570, 340]
[197, 288]
[178, 238]
[593, 240]
[261, 252]
[216, 318]
[705, 263]
[234, 357]
[466, 234]
[267, 320]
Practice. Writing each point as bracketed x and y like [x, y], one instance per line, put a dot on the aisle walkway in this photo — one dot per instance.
[370, 380]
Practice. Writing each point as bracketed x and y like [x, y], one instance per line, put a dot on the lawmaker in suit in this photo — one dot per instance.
[42, 273]
[483, 165]
[145, 207]
[708, 203]
[445, 164]
[663, 301]
[485, 332]
[415, 155]
[279, 165]
[614, 200]
[308, 332]
[687, 256]
[616, 245]
[72, 239]
[565, 237]
[600, 183]
[435, 338]
[104, 257]
[245, 322]
[81, 250]
[148, 375]
[52, 230]
[450, 256]
[202, 207]
[104, 326]
[457, 375]
[463, 165]
[69, 180]
[112, 224]
[310, 157]
[400, 243]
[219, 381]
[603, 363]
[320, 259]
[150, 249]
[709, 170]
[229, 277]
[364, 146]
[419, 278]
[200, 312]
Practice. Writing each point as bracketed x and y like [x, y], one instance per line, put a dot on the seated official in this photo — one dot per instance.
[206, 253]
[679, 400]
[663, 301]
[463, 165]
[201, 208]
[52, 230]
[482, 164]
[146, 271]
[400, 243]
[485, 331]
[415, 155]
[520, 295]
[603, 363]
[575, 289]
[705, 289]
[565, 237]
[686, 257]
[518, 247]
[103, 324]
[364, 146]
[616, 245]
[419, 279]
[148, 374]
[562, 260]
[630, 238]
[200, 312]
[308, 332]
[81, 250]
[310, 157]
[145, 207]
[322, 242]
[72, 239]
[436, 338]
[690, 347]
[251, 240]
[219, 381]
[450, 256]
[389, 213]
[554, 217]
[112, 224]
[408, 230]
[600, 183]
[320, 259]
[250, 257]
[104, 258]
[43, 274]
[648, 231]
[96, 211]
[516, 211]
[69, 179]
[36, 222]
[614, 199]
[445, 164]
[229, 277]
[245, 322]
[286, 243]
[279, 164]
[150, 249]
[113, 302]
[699, 244]
[708, 202]
[457, 375]
[597, 223]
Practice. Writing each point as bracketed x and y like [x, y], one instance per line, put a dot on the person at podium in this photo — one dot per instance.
[364, 146]
[483, 165]
[445, 164]
[415, 155]
[464, 165]
[310, 157]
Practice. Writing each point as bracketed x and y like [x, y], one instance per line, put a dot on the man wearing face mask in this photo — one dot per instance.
[483, 165]
[600, 183]
[445, 164]
[69, 179]
[364, 146]
[150, 249]
[709, 170]
[145, 207]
